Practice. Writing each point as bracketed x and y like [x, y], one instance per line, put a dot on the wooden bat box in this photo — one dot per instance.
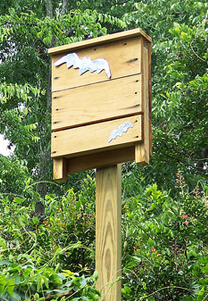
[101, 102]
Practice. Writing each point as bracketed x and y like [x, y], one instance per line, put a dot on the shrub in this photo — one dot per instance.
[165, 245]
[46, 258]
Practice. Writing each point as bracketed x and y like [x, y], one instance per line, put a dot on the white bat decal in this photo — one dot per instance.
[120, 130]
[85, 64]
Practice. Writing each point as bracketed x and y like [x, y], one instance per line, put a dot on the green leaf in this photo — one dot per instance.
[5, 262]
[19, 200]
[6, 209]
[205, 269]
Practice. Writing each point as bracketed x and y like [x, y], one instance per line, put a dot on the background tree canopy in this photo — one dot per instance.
[179, 30]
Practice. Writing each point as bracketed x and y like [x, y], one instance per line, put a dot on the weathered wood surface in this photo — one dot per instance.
[60, 169]
[95, 160]
[85, 108]
[100, 40]
[100, 159]
[123, 56]
[150, 98]
[108, 232]
[142, 150]
[95, 137]
[98, 102]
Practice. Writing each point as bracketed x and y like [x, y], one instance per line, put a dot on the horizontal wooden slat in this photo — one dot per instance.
[100, 40]
[96, 160]
[98, 102]
[95, 137]
[100, 159]
[123, 56]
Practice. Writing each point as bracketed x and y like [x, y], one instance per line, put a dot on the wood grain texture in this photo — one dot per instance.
[95, 137]
[100, 40]
[87, 108]
[98, 102]
[150, 98]
[142, 150]
[100, 159]
[108, 232]
[123, 57]
[60, 169]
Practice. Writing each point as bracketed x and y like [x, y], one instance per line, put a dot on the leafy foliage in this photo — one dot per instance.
[26, 282]
[164, 245]
[165, 242]
[37, 256]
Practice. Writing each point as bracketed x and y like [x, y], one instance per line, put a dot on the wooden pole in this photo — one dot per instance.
[108, 232]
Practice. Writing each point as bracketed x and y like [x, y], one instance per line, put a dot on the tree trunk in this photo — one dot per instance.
[44, 155]
[49, 8]
[65, 7]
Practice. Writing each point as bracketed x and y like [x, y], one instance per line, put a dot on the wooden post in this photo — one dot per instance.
[108, 232]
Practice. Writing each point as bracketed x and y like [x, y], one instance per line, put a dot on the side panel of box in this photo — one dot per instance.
[143, 150]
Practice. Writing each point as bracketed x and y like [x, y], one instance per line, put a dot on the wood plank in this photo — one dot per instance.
[150, 98]
[95, 137]
[98, 102]
[142, 150]
[124, 58]
[108, 232]
[60, 169]
[100, 159]
[99, 40]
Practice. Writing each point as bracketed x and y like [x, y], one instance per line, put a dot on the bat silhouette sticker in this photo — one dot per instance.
[120, 130]
[85, 64]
